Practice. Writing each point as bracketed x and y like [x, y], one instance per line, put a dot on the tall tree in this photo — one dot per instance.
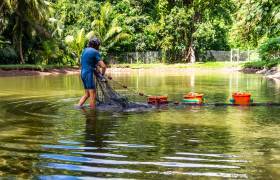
[29, 16]
[5, 10]
[196, 16]
[76, 44]
[106, 27]
[255, 21]
[136, 20]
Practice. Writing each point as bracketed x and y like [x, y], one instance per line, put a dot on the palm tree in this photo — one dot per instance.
[76, 44]
[106, 27]
[29, 16]
[5, 10]
[5, 5]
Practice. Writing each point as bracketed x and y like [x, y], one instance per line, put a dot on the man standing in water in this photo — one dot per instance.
[90, 59]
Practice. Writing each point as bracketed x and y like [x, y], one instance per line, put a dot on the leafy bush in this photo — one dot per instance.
[8, 56]
[255, 64]
[261, 64]
[269, 54]
[270, 50]
[272, 63]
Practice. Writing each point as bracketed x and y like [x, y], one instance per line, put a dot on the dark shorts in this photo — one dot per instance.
[88, 80]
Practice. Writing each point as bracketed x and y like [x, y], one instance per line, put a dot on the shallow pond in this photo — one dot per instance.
[43, 136]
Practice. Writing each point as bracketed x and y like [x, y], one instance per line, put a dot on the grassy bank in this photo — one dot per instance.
[262, 64]
[132, 66]
[33, 67]
[180, 65]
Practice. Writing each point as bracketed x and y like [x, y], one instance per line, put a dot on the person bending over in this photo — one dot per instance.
[90, 59]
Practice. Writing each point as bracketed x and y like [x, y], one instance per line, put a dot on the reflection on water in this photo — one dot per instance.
[43, 136]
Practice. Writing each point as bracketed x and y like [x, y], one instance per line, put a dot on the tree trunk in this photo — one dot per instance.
[20, 49]
[190, 54]
[17, 39]
[1, 6]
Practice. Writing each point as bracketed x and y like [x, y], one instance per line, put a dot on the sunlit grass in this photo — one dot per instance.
[33, 67]
[132, 66]
[180, 65]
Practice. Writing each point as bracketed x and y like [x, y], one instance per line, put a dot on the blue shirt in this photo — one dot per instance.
[89, 59]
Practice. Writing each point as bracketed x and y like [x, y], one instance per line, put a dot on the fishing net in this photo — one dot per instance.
[108, 97]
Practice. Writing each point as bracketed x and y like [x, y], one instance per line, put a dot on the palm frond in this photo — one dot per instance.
[107, 28]
[80, 40]
[90, 35]
[118, 38]
[5, 6]
[106, 13]
[112, 32]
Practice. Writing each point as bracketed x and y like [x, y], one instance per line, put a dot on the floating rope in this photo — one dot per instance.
[108, 98]
[126, 87]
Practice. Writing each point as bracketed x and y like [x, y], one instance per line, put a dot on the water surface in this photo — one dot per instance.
[43, 136]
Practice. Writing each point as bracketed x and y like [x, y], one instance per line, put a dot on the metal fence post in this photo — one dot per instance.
[248, 55]
[238, 57]
[230, 55]
[137, 57]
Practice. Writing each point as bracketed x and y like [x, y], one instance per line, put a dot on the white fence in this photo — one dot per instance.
[235, 55]
[137, 57]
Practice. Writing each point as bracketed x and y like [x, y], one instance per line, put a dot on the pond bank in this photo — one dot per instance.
[273, 73]
[32, 70]
[114, 70]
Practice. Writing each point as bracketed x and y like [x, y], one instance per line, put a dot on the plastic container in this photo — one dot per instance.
[192, 97]
[157, 100]
[241, 98]
[191, 101]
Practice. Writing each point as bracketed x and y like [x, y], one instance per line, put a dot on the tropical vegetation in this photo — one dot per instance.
[44, 32]
[269, 55]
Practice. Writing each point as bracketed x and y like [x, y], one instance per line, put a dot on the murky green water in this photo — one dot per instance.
[43, 136]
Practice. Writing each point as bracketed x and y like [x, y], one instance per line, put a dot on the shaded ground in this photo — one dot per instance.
[38, 72]
[30, 70]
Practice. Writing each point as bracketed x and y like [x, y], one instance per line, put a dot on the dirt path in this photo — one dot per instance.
[36, 72]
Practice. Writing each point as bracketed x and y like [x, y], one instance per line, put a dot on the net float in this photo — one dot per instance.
[241, 98]
[193, 98]
[156, 100]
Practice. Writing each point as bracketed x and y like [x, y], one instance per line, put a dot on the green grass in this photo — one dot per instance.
[255, 65]
[132, 66]
[262, 64]
[33, 67]
[180, 65]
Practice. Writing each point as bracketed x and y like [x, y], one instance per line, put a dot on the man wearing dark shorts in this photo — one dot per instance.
[90, 59]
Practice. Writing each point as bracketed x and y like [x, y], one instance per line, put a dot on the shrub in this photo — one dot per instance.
[270, 51]
[255, 64]
[272, 63]
[8, 56]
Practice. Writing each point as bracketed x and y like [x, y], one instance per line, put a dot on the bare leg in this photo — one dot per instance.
[84, 98]
[92, 94]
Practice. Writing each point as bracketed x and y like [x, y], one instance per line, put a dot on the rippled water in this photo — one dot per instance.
[43, 136]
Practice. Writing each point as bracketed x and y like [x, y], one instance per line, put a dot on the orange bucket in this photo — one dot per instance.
[152, 99]
[192, 96]
[162, 99]
[241, 98]
[157, 99]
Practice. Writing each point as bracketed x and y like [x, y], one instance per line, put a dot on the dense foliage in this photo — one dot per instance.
[56, 31]
[269, 53]
[255, 21]
[270, 50]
